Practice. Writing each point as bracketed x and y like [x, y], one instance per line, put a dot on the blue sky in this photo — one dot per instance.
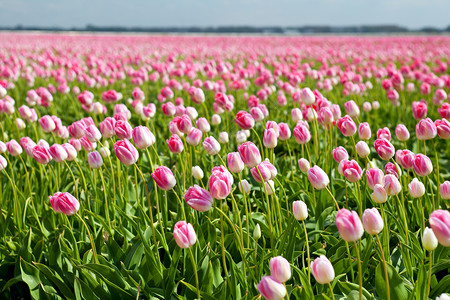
[67, 13]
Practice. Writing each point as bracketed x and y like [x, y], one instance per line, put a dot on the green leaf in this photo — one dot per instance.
[56, 279]
[398, 289]
[30, 275]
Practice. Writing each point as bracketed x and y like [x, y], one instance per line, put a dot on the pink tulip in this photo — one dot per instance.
[285, 131]
[3, 147]
[384, 133]
[379, 194]
[444, 189]
[307, 96]
[422, 165]
[364, 131]
[443, 128]
[325, 116]
[126, 152]
[220, 182]
[92, 133]
[58, 153]
[47, 123]
[392, 169]
[198, 198]
[440, 224]
[249, 154]
[76, 144]
[280, 269]
[444, 111]
[372, 221]
[352, 171]
[184, 124]
[235, 163]
[76, 129]
[71, 151]
[401, 132]
[164, 178]
[64, 203]
[349, 225]
[339, 154]
[322, 270]
[346, 125]
[425, 129]
[384, 149]
[270, 138]
[267, 170]
[405, 158]
[175, 144]
[419, 109]
[95, 160]
[374, 176]
[302, 134]
[203, 125]
[123, 130]
[271, 289]
[168, 109]
[416, 188]
[351, 108]
[194, 137]
[42, 155]
[317, 177]
[211, 145]
[244, 120]
[143, 137]
[362, 149]
[3, 163]
[391, 185]
[107, 127]
[87, 144]
[304, 165]
[184, 234]
[27, 144]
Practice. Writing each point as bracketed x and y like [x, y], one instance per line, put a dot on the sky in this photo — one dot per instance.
[413, 14]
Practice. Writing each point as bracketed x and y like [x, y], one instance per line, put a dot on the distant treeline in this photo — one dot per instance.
[240, 29]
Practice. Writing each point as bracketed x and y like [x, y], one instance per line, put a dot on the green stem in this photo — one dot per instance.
[331, 290]
[334, 199]
[359, 270]
[307, 250]
[385, 268]
[149, 204]
[94, 251]
[194, 265]
[106, 198]
[429, 275]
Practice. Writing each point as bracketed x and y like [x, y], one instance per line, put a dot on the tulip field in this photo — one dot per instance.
[222, 167]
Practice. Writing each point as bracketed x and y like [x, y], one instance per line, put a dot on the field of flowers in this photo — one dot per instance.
[183, 167]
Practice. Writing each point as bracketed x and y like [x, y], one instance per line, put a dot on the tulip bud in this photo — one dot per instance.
[64, 203]
[197, 172]
[280, 269]
[184, 234]
[296, 115]
[364, 131]
[372, 221]
[244, 186]
[47, 123]
[339, 154]
[126, 152]
[71, 151]
[405, 158]
[349, 225]
[402, 132]
[211, 145]
[41, 155]
[307, 96]
[391, 185]
[107, 127]
[429, 240]
[104, 151]
[235, 163]
[300, 210]
[302, 134]
[175, 144]
[220, 182]
[416, 188]
[164, 178]
[95, 160]
[194, 137]
[58, 153]
[123, 130]
[143, 137]
[304, 165]
[362, 149]
[271, 289]
[203, 125]
[384, 149]
[3, 163]
[440, 223]
[425, 129]
[444, 189]
[249, 154]
[198, 198]
[270, 138]
[215, 119]
[317, 177]
[443, 128]
[223, 137]
[384, 133]
[257, 232]
[322, 270]
[2, 147]
[351, 108]
[422, 165]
